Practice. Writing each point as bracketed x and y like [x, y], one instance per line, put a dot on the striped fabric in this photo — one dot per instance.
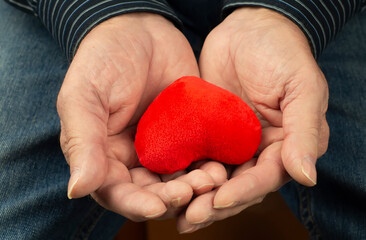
[320, 20]
[70, 20]
[22, 4]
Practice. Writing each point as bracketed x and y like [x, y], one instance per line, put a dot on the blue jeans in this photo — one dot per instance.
[33, 171]
[336, 207]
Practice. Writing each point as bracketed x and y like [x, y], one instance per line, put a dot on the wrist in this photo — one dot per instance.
[147, 21]
[253, 18]
[131, 27]
[256, 14]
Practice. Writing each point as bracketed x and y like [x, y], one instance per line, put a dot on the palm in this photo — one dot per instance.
[151, 73]
[108, 89]
[265, 59]
[267, 66]
[249, 70]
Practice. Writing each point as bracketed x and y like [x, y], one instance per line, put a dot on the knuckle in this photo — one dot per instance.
[324, 138]
[73, 145]
[197, 173]
[252, 180]
[63, 144]
[259, 200]
[70, 145]
[61, 98]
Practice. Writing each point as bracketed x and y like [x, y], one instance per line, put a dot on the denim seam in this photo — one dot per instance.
[306, 213]
[89, 223]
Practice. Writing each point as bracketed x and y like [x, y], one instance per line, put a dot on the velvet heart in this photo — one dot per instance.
[193, 120]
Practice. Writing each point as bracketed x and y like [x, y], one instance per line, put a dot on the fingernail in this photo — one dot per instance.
[189, 230]
[74, 178]
[224, 206]
[197, 227]
[205, 185]
[155, 215]
[308, 169]
[203, 220]
[176, 202]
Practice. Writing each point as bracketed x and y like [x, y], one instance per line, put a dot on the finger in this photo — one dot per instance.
[269, 136]
[131, 201]
[267, 176]
[215, 169]
[111, 191]
[122, 148]
[201, 209]
[324, 137]
[143, 177]
[83, 120]
[201, 213]
[63, 143]
[174, 194]
[199, 180]
[183, 226]
[168, 177]
[243, 167]
[304, 108]
[117, 172]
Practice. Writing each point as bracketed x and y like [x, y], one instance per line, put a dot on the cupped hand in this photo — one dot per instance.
[265, 59]
[119, 68]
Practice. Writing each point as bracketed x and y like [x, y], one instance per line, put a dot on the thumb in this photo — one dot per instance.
[304, 107]
[83, 138]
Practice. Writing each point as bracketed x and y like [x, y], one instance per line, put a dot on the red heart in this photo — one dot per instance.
[192, 120]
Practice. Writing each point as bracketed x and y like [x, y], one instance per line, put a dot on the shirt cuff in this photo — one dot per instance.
[70, 21]
[319, 20]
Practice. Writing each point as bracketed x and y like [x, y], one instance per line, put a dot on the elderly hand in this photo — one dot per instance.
[264, 58]
[119, 68]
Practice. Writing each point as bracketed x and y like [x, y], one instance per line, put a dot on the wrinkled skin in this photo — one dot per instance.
[119, 68]
[265, 59]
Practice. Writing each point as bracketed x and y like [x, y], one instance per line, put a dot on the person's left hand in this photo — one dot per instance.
[265, 59]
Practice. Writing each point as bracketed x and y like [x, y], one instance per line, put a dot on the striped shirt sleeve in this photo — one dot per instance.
[320, 20]
[21, 4]
[70, 20]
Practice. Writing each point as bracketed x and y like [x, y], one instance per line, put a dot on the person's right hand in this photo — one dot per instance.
[119, 68]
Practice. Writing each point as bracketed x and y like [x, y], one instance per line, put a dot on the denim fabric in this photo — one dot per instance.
[33, 171]
[336, 207]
